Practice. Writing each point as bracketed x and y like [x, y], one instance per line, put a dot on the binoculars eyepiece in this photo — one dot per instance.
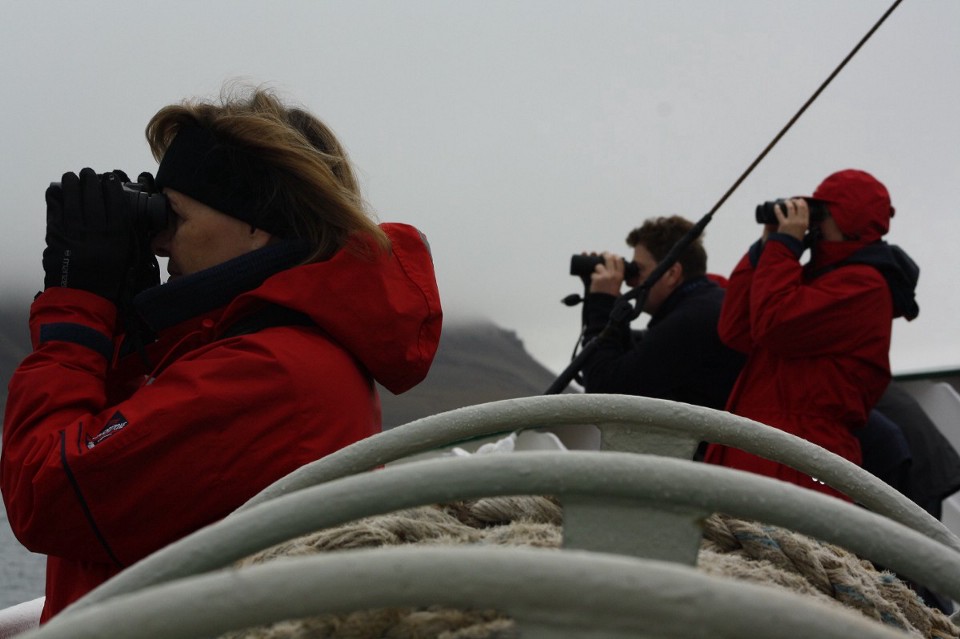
[149, 211]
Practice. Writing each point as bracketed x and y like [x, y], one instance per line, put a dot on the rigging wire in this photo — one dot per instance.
[805, 106]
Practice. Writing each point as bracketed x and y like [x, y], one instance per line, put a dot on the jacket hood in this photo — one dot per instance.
[383, 307]
[897, 268]
[859, 204]
[900, 271]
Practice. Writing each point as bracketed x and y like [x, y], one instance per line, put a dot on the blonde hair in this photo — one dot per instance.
[302, 171]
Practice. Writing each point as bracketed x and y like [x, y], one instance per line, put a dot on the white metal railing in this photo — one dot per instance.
[548, 596]
[632, 504]
[627, 424]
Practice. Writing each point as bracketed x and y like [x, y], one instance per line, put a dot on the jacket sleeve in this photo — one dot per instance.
[734, 324]
[61, 384]
[89, 481]
[796, 318]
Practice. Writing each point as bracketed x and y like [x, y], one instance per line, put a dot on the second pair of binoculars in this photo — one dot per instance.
[583, 266]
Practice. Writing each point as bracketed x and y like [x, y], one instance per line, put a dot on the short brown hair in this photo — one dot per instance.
[305, 173]
[658, 235]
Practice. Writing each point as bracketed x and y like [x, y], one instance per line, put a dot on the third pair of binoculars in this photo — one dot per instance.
[766, 215]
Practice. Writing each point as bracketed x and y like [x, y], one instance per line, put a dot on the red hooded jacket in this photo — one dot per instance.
[103, 465]
[817, 337]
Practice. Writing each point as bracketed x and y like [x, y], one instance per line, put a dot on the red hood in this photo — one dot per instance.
[858, 203]
[384, 308]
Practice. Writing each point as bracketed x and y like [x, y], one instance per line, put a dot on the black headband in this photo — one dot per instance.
[221, 176]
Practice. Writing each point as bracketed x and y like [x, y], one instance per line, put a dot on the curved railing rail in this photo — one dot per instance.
[627, 424]
[632, 504]
[577, 595]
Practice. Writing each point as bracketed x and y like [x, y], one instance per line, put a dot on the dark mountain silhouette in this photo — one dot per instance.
[477, 362]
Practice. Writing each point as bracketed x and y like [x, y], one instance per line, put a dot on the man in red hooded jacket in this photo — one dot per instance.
[817, 336]
[147, 412]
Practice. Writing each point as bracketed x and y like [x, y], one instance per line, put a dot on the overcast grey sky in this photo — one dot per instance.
[516, 133]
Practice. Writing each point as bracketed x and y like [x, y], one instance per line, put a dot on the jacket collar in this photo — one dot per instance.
[167, 305]
[678, 295]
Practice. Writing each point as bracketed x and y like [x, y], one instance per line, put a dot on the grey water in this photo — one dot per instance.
[21, 571]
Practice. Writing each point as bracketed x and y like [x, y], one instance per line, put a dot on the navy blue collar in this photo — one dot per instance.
[192, 295]
[680, 293]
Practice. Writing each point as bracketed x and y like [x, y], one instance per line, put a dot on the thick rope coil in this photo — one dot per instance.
[731, 548]
[776, 555]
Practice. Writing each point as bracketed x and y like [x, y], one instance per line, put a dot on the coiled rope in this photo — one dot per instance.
[731, 548]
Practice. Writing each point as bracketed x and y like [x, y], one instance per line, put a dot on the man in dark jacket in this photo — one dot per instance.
[679, 356]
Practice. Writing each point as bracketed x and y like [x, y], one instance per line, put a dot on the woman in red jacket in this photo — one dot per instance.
[817, 336]
[146, 412]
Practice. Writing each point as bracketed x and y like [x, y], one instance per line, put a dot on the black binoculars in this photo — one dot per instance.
[583, 265]
[766, 214]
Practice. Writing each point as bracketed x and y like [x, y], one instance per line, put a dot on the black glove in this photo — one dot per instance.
[89, 241]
